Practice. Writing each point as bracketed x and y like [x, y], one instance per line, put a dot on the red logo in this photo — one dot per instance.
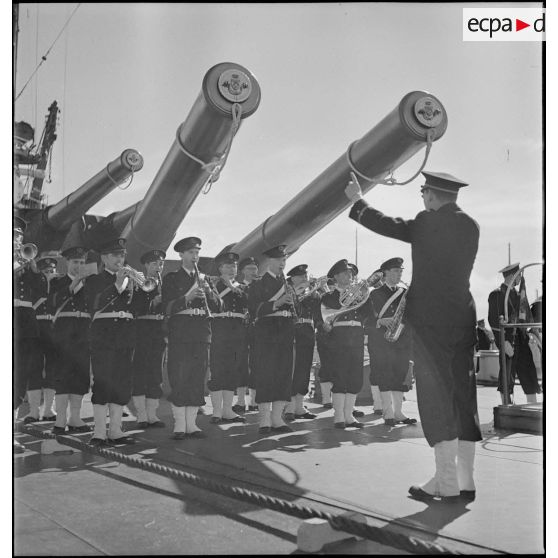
[519, 25]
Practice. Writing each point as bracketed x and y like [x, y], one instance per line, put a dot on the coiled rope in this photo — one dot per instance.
[390, 180]
[215, 166]
[383, 536]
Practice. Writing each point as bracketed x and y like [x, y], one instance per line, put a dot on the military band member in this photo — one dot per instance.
[70, 330]
[519, 358]
[248, 271]
[323, 346]
[347, 346]
[441, 311]
[109, 297]
[369, 326]
[28, 287]
[390, 360]
[150, 343]
[41, 378]
[228, 340]
[189, 302]
[272, 307]
[309, 316]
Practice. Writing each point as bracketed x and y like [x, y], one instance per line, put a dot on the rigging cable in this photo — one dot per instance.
[44, 57]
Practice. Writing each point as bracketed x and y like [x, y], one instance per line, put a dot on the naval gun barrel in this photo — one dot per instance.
[396, 138]
[61, 215]
[229, 93]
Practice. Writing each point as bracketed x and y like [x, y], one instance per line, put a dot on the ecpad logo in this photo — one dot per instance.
[503, 24]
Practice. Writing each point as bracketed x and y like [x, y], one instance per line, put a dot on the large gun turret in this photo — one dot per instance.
[229, 94]
[48, 227]
[401, 134]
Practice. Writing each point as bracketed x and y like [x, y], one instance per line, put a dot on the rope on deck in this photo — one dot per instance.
[383, 536]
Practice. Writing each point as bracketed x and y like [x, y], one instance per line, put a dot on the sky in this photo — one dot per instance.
[126, 76]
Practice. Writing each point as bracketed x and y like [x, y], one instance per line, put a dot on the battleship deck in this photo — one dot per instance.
[83, 504]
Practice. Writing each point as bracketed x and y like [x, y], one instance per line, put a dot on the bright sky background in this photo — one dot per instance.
[126, 75]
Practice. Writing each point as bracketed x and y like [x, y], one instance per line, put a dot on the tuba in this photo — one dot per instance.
[393, 332]
[353, 297]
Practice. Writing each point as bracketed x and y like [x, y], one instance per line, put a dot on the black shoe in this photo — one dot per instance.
[234, 419]
[50, 418]
[120, 441]
[252, 408]
[18, 448]
[99, 442]
[378, 412]
[289, 417]
[156, 424]
[418, 493]
[390, 422]
[29, 420]
[178, 436]
[327, 405]
[82, 428]
[468, 495]
[125, 412]
[215, 420]
[264, 429]
[306, 415]
[143, 424]
[196, 434]
[58, 430]
[357, 413]
[408, 421]
[355, 424]
[339, 425]
[239, 408]
[283, 428]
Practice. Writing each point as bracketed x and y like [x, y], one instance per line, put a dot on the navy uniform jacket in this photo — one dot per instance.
[102, 296]
[271, 329]
[237, 302]
[60, 297]
[28, 286]
[308, 308]
[444, 246]
[496, 309]
[186, 328]
[343, 335]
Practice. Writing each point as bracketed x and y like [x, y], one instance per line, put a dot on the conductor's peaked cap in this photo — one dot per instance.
[443, 181]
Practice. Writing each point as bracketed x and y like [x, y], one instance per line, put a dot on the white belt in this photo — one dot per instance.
[24, 303]
[350, 323]
[151, 317]
[76, 314]
[120, 314]
[229, 315]
[46, 317]
[282, 313]
[192, 312]
[305, 321]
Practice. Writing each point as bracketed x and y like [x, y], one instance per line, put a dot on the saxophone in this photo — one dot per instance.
[393, 332]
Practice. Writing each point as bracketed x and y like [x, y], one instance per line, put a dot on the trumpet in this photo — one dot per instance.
[312, 286]
[25, 254]
[146, 284]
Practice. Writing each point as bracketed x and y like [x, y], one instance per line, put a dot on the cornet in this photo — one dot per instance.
[146, 284]
[25, 255]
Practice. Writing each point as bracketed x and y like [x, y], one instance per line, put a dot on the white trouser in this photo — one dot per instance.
[465, 464]
[387, 404]
[217, 403]
[338, 407]
[241, 396]
[397, 398]
[49, 401]
[61, 402]
[326, 392]
[265, 414]
[228, 397]
[179, 416]
[377, 398]
[299, 404]
[115, 421]
[100, 418]
[75, 410]
[276, 412]
[139, 404]
[151, 406]
[34, 400]
[349, 406]
[444, 482]
[191, 415]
